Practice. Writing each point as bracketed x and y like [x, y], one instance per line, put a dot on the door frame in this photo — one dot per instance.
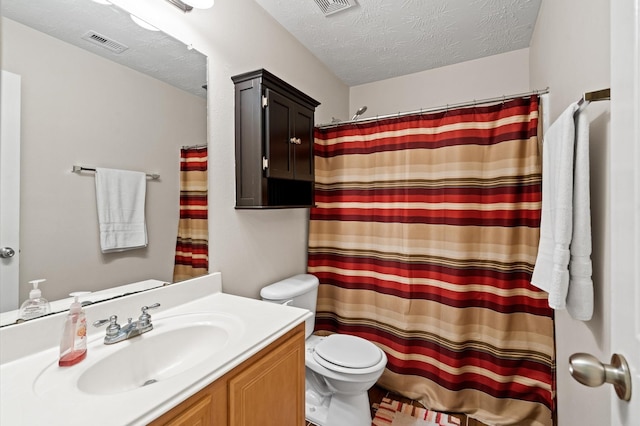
[10, 105]
[624, 192]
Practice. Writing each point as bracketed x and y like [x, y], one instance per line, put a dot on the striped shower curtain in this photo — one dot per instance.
[192, 246]
[424, 239]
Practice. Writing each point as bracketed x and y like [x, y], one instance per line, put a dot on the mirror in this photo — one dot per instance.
[97, 90]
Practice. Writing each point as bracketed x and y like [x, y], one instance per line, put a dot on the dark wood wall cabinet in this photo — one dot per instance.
[274, 142]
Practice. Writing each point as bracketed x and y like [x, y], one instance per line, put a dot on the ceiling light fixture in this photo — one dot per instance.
[189, 5]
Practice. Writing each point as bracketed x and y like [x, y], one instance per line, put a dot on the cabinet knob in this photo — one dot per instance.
[296, 141]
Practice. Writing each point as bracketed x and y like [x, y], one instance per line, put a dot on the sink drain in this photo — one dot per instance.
[149, 382]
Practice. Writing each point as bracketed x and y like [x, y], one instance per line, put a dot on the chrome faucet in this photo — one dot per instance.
[117, 333]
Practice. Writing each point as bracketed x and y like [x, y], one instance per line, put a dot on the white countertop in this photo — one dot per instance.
[56, 399]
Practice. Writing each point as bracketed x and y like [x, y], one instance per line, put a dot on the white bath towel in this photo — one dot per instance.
[580, 296]
[120, 197]
[565, 227]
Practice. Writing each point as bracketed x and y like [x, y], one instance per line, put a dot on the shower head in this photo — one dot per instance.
[359, 112]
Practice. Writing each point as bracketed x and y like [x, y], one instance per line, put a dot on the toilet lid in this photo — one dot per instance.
[348, 351]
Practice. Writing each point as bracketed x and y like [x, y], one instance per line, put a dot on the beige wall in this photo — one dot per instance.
[79, 108]
[570, 54]
[489, 77]
[250, 248]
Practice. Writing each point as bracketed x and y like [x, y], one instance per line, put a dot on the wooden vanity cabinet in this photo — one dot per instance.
[267, 389]
[274, 124]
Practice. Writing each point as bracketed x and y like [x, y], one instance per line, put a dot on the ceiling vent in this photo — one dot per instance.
[105, 42]
[329, 7]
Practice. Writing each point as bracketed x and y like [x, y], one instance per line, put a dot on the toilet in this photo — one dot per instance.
[340, 368]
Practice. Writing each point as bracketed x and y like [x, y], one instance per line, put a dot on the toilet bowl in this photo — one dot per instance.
[345, 367]
[340, 368]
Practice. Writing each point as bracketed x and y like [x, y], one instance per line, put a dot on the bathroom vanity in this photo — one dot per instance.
[210, 359]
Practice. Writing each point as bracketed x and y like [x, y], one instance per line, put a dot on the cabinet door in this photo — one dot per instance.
[270, 392]
[197, 414]
[278, 135]
[206, 408]
[303, 151]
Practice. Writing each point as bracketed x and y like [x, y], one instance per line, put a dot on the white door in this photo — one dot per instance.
[9, 190]
[624, 225]
[625, 200]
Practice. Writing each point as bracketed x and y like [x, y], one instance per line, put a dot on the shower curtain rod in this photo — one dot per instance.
[437, 109]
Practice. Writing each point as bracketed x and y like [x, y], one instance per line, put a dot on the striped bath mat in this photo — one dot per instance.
[395, 413]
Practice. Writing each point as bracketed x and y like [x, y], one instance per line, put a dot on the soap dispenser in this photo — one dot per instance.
[36, 305]
[73, 345]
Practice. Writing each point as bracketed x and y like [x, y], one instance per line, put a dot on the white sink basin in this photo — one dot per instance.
[175, 345]
[151, 358]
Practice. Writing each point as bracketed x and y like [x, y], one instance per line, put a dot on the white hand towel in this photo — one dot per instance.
[551, 271]
[580, 296]
[120, 197]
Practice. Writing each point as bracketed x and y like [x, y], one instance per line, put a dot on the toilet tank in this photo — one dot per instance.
[300, 291]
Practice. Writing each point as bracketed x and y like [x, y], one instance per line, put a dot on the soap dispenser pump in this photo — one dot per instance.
[36, 305]
[73, 345]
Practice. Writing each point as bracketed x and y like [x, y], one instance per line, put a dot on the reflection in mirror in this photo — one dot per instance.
[130, 105]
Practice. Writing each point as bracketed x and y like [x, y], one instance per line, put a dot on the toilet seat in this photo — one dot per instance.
[348, 354]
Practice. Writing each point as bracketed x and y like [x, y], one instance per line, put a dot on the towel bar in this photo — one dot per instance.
[78, 169]
[596, 95]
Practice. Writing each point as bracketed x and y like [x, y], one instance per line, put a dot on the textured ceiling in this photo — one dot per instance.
[380, 39]
[151, 52]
